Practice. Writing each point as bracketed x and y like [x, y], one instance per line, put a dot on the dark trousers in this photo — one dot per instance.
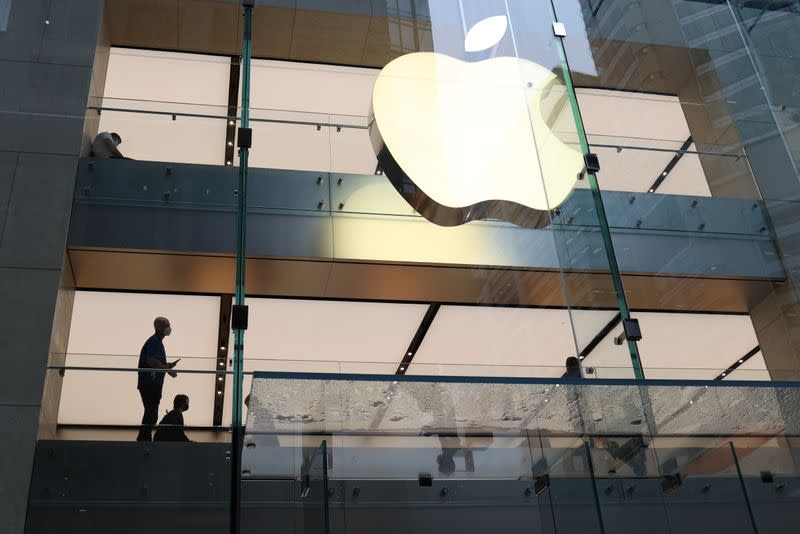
[151, 397]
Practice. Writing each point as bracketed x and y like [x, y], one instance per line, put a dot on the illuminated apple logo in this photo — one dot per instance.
[465, 141]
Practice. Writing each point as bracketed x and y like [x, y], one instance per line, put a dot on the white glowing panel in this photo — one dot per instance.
[703, 345]
[587, 324]
[475, 340]
[316, 94]
[466, 133]
[677, 346]
[643, 121]
[167, 82]
[325, 336]
[108, 331]
[149, 75]
[325, 331]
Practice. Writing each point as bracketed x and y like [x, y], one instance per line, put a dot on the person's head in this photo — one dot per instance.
[181, 403]
[447, 465]
[573, 363]
[162, 326]
[117, 139]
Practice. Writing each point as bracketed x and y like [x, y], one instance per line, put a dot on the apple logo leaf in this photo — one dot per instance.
[486, 33]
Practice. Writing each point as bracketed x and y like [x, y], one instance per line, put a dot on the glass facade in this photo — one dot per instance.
[428, 265]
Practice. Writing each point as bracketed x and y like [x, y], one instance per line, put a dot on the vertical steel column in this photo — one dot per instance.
[241, 255]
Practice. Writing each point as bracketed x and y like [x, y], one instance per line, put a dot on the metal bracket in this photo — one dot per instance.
[239, 317]
[559, 30]
[591, 164]
[245, 138]
[630, 331]
[541, 484]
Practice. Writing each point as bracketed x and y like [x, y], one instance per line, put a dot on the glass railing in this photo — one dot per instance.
[326, 451]
[353, 216]
[452, 445]
[682, 393]
[210, 187]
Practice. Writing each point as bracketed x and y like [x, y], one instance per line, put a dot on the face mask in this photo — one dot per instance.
[167, 330]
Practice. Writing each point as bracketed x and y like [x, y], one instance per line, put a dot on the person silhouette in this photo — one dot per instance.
[151, 383]
[171, 426]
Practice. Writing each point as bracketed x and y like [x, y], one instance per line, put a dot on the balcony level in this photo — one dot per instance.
[140, 225]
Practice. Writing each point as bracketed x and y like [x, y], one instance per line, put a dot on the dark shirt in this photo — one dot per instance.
[573, 373]
[171, 428]
[153, 348]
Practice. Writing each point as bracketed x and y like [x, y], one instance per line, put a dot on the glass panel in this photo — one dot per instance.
[565, 484]
[166, 106]
[542, 454]
[696, 486]
[768, 466]
[589, 270]
[701, 142]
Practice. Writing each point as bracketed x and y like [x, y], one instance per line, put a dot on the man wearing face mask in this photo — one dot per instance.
[150, 383]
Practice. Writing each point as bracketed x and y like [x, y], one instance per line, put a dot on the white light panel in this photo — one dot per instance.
[312, 93]
[173, 83]
[473, 340]
[109, 329]
[678, 346]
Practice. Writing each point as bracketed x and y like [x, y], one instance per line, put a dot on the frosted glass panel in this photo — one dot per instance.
[331, 404]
